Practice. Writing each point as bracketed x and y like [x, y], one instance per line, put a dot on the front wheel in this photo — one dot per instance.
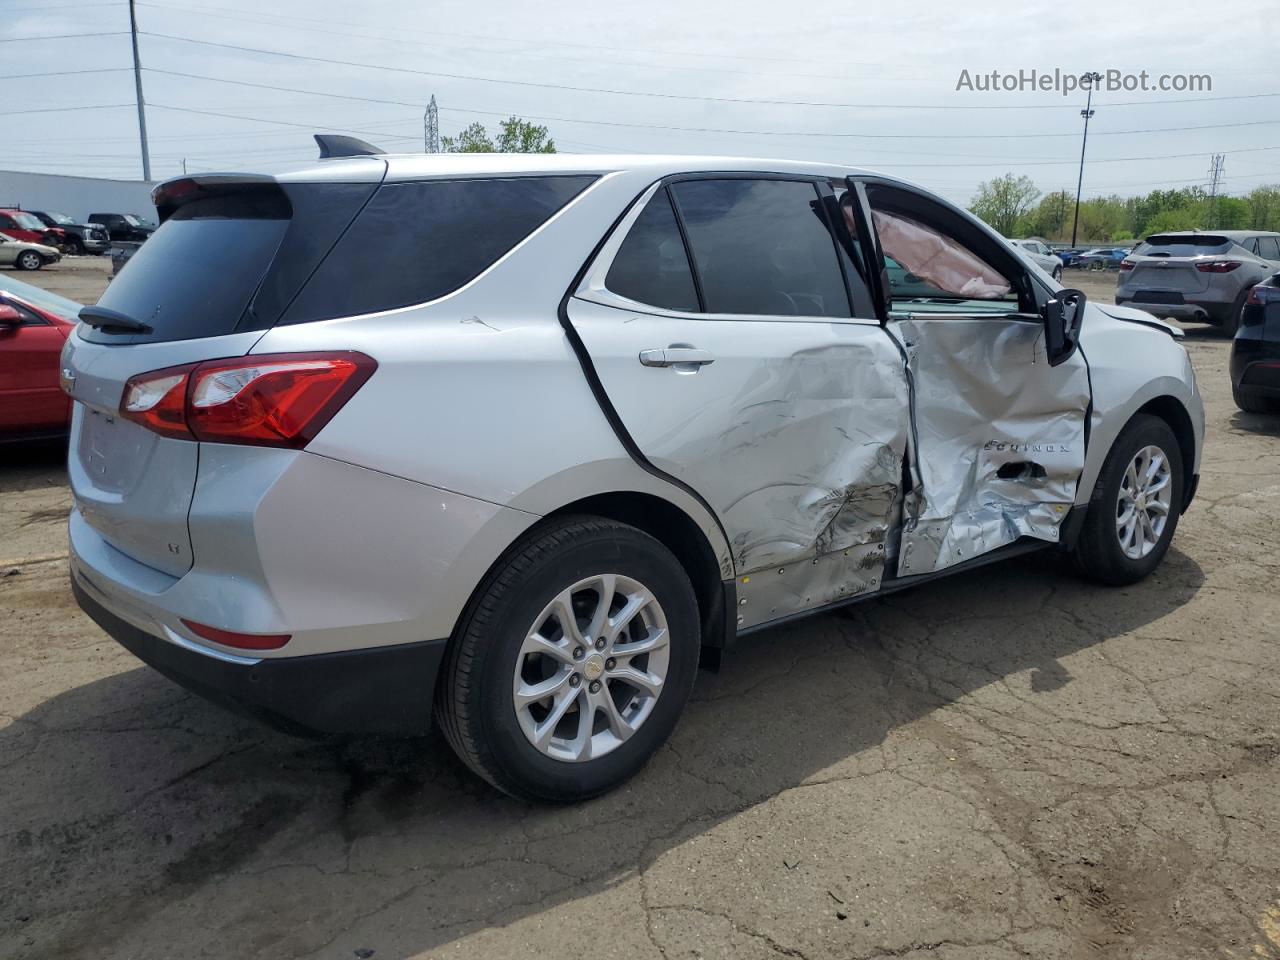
[573, 661]
[1134, 508]
[29, 260]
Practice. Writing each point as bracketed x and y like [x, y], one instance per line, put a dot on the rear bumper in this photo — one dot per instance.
[1255, 366]
[381, 690]
[1191, 307]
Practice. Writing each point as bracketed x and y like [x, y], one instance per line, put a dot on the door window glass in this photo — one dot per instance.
[652, 265]
[930, 271]
[1269, 248]
[762, 247]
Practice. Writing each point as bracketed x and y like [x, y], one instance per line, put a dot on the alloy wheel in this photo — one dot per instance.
[591, 668]
[1144, 501]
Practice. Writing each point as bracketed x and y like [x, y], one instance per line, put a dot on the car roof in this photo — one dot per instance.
[1229, 234]
[416, 166]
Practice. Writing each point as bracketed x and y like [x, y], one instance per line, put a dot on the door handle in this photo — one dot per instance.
[674, 356]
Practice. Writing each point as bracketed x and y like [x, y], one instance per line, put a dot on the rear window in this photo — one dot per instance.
[1189, 245]
[195, 276]
[419, 241]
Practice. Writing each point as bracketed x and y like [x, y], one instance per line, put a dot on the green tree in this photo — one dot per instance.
[521, 136]
[516, 136]
[1177, 218]
[474, 139]
[1263, 208]
[1002, 201]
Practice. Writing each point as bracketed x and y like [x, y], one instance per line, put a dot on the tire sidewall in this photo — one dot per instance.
[24, 261]
[1146, 432]
[634, 555]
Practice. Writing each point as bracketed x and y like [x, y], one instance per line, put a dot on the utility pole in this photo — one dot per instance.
[431, 127]
[1216, 168]
[142, 104]
[1088, 79]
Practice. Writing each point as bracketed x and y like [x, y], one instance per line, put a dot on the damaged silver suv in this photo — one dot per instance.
[514, 441]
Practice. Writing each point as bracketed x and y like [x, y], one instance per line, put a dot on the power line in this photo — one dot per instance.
[62, 73]
[621, 93]
[655, 126]
[64, 36]
[88, 106]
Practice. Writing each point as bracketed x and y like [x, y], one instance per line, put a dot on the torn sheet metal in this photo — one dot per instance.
[812, 479]
[999, 437]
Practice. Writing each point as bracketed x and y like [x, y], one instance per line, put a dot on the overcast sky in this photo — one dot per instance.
[889, 69]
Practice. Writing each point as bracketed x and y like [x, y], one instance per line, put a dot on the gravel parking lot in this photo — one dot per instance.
[1008, 763]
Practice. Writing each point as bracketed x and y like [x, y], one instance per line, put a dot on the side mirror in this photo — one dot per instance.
[1062, 318]
[9, 317]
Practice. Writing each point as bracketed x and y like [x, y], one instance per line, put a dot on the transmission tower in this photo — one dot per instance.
[1216, 166]
[431, 127]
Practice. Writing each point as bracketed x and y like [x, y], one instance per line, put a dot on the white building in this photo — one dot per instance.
[77, 197]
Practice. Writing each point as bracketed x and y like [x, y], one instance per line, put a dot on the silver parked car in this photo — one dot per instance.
[1201, 277]
[1041, 255]
[518, 439]
[25, 255]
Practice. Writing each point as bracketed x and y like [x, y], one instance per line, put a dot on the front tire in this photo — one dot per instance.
[30, 260]
[1135, 505]
[573, 661]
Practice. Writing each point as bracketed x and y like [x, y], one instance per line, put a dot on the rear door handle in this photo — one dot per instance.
[671, 356]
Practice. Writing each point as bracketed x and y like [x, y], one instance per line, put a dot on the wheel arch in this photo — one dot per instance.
[678, 532]
[1171, 411]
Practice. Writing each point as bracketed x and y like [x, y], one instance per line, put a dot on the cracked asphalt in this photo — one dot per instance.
[1008, 763]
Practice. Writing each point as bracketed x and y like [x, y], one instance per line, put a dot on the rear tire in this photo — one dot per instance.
[1057, 274]
[1231, 322]
[570, 744]
[1100, 554]
[1252, 403]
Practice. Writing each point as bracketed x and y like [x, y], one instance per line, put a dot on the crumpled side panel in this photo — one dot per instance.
[809, 474]
[999, 438]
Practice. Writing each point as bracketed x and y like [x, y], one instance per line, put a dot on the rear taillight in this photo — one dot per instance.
[1126, 265]
[242, 641]
[1217, 266]
[275, 400]
[157, 400]
[1262, 295]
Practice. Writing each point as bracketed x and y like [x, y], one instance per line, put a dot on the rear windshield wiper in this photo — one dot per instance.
[111, 321]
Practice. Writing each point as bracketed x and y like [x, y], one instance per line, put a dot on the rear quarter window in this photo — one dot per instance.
[418, 241]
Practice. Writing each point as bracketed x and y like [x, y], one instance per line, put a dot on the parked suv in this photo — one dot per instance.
[1202, 277]
[124, 226]
[520, 438]
[78, 238]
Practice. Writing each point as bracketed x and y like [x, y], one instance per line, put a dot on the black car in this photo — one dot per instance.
[1255, 351]
[124, 226]
[79, 237]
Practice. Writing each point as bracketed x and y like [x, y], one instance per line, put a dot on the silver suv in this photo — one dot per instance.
[1201, 277]
[519, 440]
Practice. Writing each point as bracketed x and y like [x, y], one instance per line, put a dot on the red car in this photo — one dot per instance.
[34, 324]
[22, 225]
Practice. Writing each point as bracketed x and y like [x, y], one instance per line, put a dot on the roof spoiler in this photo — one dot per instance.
[339, 145]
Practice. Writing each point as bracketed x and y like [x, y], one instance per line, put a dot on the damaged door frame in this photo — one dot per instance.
[1033, 300]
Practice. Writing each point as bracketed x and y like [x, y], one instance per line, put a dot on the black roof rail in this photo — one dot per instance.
[340, 145]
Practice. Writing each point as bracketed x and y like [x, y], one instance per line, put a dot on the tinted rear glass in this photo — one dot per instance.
[196, 274]
[415, 242]
[652, 265]
[1181, 246]
[762, 247]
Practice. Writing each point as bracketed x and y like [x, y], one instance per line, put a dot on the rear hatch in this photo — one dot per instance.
[1167, 263]
[230, 255]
